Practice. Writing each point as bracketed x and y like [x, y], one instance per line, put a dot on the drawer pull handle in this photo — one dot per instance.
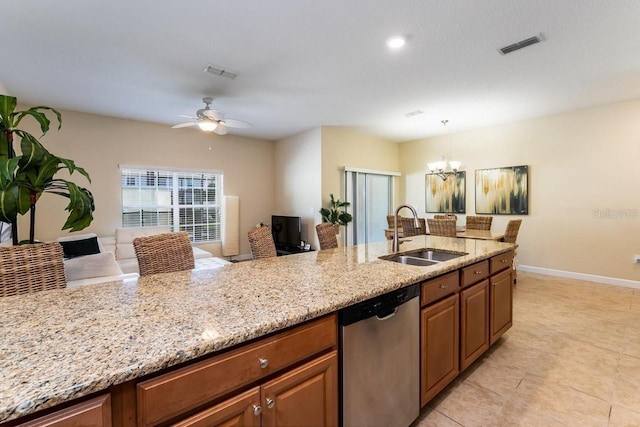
[477, 272]
[270, 403]
[504, 261]
[444, 287]
[257, 410]
[263, 363]
[494, 284]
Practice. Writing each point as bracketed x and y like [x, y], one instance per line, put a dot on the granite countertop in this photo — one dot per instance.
[62, 344]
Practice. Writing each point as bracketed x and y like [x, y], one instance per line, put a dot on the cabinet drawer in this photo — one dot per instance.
[439, 287]
[474, 273]
[167, 396]
[500, 262]
[94, 412]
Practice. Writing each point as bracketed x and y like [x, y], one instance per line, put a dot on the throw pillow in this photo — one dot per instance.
[76, 248]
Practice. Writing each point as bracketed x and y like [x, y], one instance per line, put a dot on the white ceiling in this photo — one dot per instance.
[308, 63]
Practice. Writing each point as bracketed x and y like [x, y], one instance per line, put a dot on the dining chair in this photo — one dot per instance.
[261, 243]
[510, 236]
[475, 222]
[446, 216]
[327, 235]
[442, 227]
[409, 227]
[32, 268]
[164, 253]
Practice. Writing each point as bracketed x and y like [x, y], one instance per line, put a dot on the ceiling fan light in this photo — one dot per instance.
[455, 165]
[207, 126]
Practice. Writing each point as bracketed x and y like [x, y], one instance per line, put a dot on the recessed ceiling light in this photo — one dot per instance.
[396, 42]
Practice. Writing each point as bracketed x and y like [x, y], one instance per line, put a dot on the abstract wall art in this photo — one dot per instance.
[503, 191]
[445, 196]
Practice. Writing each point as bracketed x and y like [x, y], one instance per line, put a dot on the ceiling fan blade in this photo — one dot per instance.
[213, 114]
[233, 123]
[183, 125]
[187, 117]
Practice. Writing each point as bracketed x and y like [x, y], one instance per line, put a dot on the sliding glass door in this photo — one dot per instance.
[371, 196]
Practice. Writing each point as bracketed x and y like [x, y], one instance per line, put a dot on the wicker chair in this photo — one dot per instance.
[510, 236]
[31, 268]
[442, 227]
[327, 235]
[409, 227]
[261, 243]
[164, 253]
[446, 216]
[511, 232]
[479, 222]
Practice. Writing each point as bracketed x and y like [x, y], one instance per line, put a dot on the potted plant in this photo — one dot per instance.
[336, 213]
[24, 178]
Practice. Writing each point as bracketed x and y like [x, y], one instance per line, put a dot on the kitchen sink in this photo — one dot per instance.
[423, 257]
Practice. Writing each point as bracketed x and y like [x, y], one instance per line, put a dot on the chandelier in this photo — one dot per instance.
[442, 168]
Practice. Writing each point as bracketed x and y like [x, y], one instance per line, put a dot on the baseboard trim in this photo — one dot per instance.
[581, 276]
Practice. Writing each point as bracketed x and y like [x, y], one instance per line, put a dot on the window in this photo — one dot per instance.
[185, 200]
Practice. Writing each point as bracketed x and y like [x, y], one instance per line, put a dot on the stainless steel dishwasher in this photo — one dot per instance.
[380, 360]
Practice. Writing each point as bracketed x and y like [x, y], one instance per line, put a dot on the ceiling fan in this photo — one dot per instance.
[210, 120]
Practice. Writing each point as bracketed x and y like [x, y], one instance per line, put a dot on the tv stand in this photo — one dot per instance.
[290, 250]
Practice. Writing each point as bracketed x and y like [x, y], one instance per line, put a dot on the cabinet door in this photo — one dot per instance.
[306, 396]
[501, 313]
[439, 346]
[474, 319]
[239, 411]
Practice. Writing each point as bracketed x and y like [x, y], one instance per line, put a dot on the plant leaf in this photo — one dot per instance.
[7, 106]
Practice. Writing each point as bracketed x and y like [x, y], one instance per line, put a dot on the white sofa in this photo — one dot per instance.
[116, 257]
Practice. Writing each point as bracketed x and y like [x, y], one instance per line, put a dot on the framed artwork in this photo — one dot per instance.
[503, 191]
[446, 196]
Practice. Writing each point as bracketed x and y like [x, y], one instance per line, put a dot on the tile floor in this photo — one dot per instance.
[572, 358]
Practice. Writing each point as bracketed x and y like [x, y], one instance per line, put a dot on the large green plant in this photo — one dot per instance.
[24, 178]
[336, 213]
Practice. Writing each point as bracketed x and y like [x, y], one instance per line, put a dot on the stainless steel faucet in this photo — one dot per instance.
[396, 241]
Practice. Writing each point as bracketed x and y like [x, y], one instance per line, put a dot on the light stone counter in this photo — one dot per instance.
[63, 344]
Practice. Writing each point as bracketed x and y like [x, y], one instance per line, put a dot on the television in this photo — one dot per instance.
[286, 230]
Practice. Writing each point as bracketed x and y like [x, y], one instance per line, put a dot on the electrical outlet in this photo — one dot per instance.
[636, 259]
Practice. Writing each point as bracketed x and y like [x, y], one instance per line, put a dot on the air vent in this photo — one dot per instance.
[521, 44]
[220, 71]
[413, 113]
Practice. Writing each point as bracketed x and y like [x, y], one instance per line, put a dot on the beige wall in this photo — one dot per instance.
[345, 147]
[99, 144]
[580, 163]
[298, 170]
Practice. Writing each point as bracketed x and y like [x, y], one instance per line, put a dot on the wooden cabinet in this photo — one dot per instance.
[305, 396]
[474, 323]
[439, 346]
[95, 412]
[501, 308]
[169, 396]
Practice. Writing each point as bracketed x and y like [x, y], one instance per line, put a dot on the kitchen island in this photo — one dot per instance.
[61, 345]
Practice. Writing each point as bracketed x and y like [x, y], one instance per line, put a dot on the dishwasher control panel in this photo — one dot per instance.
[380, 306]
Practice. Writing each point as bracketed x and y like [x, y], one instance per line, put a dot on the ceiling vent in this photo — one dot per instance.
[521, 44]
[413, 113]
[220, 71]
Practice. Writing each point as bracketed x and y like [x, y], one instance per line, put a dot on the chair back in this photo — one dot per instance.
[511, 232]
[327, 235]
[475, 222]
[27, 269]
[442, 227]
[409, 227]
[446, 216]
[261, 243]
[164, 253]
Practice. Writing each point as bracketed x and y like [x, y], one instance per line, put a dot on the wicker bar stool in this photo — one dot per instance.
[475, 222]
[442, 227]
[327, 235]
[409, 227]
[26, 269]
[164, 253]
[261, 243]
